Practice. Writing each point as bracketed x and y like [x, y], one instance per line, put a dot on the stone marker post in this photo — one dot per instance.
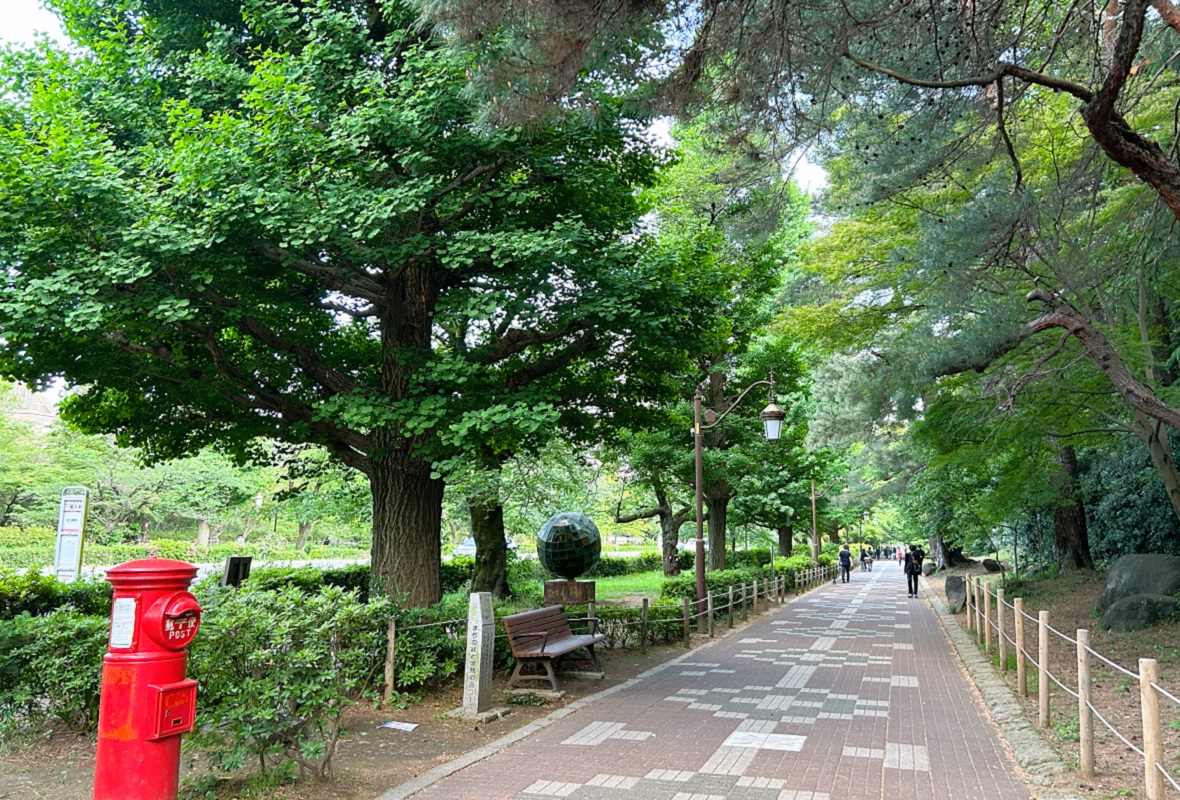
[481, 631]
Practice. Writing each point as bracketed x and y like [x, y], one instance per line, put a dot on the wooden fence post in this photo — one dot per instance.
[1043, 669]
[709, 612]
[745, 611]
[730, 607]
[643, 627]
[687, 620]
[978, 613]
[754, 597]
[1085, 718]
[987, 619]
[1021, 666]
[970, 602]
[1153, 742]
[390, 661]
[1000, 629]
[590, 613]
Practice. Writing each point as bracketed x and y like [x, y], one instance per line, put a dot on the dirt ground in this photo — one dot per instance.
[370, 759]
[1070, 601]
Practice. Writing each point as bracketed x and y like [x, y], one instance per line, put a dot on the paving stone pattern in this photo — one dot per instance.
[849, 692]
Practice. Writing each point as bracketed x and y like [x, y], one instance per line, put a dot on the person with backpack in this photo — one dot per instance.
[845, 564]
[913, 568]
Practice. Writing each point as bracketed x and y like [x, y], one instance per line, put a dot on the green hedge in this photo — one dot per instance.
[717, 581]
[37, 594]
[33, 536]
[23, 554]
[50, 670]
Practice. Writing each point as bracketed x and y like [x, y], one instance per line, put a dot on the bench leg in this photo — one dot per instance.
[594, 658]
[518, 673]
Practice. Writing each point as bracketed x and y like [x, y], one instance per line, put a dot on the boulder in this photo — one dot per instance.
[1139, 611]
[1148, 573]
[956, 593]
[991, 565]
[928, 568]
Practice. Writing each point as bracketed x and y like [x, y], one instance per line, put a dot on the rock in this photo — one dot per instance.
[1140, 574]
[928, 568]
[1139, 611]
[956, 593]
[991, 565]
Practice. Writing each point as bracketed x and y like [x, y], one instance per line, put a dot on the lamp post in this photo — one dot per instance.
[772, 422]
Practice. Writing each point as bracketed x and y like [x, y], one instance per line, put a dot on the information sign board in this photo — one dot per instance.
[71, 533]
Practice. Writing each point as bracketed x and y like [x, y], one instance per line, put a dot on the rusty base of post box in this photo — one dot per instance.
[569, 593]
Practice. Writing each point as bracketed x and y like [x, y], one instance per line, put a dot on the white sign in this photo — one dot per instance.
[481, 630]
[123, 622]
[71, 533]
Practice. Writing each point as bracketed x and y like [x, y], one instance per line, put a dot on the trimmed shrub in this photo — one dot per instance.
[456, 573]
[278, 669]
[37, 594]
[50, 670]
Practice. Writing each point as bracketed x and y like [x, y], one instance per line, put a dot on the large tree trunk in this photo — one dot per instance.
[786, 535]
[1071, 542]
[670, 542]
[304, 534]
[202, 533]
[718, 509]
[407, 502]
[407, 520]
[945, 555]
[491, 550]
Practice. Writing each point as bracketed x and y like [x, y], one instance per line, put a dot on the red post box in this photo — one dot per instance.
[147, 701]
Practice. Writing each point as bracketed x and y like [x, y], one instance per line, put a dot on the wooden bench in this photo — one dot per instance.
[544, 635]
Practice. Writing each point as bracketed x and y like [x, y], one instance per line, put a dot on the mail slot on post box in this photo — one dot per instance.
[146, 700]
[176, 705]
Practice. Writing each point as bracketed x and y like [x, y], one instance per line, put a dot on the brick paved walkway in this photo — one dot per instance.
[849, 692]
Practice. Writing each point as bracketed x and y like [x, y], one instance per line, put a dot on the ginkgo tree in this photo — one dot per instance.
[284, 221]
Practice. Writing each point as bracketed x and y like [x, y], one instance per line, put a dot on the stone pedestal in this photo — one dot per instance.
[569, 593]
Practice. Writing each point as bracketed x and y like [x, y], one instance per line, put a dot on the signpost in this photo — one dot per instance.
[71, 533]
[477, 678]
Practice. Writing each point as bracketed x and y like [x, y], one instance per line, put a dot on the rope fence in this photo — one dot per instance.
[986, 618]
[733, 604]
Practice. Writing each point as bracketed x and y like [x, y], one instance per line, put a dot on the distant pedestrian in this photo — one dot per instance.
[864, 554]
[845, 564]
[913, 568]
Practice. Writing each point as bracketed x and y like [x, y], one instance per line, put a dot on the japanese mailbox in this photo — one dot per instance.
[147, 701]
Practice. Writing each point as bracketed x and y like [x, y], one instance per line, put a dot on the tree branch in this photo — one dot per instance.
[1002, 68]
[1125, 50]
[339, 279]
[1169, 12]
[1138, 396]
[305, 355]
[562, 359]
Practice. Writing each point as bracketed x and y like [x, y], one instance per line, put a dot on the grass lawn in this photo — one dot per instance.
[641, 584]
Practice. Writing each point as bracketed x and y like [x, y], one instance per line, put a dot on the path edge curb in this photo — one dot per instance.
[435, 774]
[1028, 747]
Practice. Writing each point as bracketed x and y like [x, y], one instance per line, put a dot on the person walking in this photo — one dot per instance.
[845, 564]
[913, 568]
[864, 554]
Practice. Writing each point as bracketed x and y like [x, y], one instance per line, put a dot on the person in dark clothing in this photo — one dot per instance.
[913, 568]
[845, 564]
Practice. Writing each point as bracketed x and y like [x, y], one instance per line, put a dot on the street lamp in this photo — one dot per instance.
[772, 423]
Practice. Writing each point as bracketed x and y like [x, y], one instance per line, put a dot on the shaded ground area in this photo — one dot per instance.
[1070, 600]
[370, 759]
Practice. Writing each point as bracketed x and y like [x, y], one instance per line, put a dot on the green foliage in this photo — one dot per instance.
[32, 536]
[37, 595]
[278, 669]
[716, 581]
[456, 573]
[50, 668]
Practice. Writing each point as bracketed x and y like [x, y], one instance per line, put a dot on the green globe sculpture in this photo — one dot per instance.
[569, 545]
